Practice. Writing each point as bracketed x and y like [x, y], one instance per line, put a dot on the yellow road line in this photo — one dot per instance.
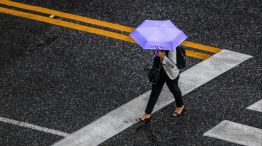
[98, 23]
[201, 47]
[67, 24]
[197, 55]
[67, 15]
[84, 28]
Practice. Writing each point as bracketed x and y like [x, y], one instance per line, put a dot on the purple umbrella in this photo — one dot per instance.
[154, 34]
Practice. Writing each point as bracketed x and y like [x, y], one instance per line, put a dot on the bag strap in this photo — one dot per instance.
[167, 51]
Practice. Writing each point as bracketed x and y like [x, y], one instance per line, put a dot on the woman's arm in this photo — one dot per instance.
[170, 59]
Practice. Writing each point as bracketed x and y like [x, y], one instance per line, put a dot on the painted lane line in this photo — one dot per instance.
[67, 15]
[66, 24]
[97, 22]
[123, 117]
[197, 55]
[85, 29]
[35, 127]
[201, 47]
[236, 133]
[256, 106]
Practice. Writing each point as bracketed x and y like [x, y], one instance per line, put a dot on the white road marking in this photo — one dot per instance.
[123, 117]
[35, 127]
[256, 106]
[236, 133]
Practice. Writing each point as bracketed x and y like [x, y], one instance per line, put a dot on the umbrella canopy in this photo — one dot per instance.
[154, 34]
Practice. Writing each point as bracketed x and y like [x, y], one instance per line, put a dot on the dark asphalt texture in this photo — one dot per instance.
[64, 79]
[18, 136]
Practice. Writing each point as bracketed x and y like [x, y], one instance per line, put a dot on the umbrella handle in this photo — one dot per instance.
[155, 53]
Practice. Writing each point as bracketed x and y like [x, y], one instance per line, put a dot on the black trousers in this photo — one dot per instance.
[157, 88]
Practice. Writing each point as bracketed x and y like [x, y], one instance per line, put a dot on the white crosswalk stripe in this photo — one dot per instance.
[238, 133]
[256, 106]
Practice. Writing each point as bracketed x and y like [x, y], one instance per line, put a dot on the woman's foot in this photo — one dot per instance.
[179, 111]
[145, 117]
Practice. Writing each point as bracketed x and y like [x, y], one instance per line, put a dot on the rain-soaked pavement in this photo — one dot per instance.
[64, 79]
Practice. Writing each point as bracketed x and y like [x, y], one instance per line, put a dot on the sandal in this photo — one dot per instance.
[144, 120]
[176, 114]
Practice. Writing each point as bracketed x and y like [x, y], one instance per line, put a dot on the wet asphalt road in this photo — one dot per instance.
[64, 79]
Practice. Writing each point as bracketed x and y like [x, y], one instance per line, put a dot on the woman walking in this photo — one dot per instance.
[169, 74]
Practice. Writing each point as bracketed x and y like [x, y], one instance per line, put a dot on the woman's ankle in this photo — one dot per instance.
[146, 115]
[180, 107]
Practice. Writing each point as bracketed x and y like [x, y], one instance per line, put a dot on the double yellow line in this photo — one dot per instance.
[117, 27]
